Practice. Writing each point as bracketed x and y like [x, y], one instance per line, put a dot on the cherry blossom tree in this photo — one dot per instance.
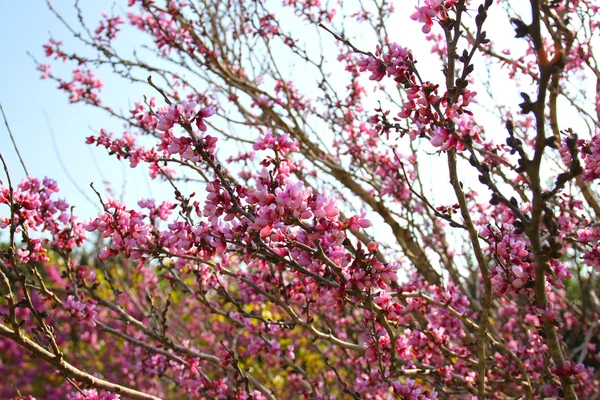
[349, 219]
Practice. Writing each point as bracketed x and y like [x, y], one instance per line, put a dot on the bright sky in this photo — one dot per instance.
[35, 108]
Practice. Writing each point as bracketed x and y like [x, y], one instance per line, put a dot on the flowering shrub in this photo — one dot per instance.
[315, 260]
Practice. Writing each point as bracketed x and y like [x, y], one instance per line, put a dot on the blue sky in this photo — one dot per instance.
[34, 107]
[28, 24]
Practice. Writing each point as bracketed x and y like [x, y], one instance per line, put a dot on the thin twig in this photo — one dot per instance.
[12, 138]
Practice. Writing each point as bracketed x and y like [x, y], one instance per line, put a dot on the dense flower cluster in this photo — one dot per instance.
[590, 153]
[446, 121]
[430, 10]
